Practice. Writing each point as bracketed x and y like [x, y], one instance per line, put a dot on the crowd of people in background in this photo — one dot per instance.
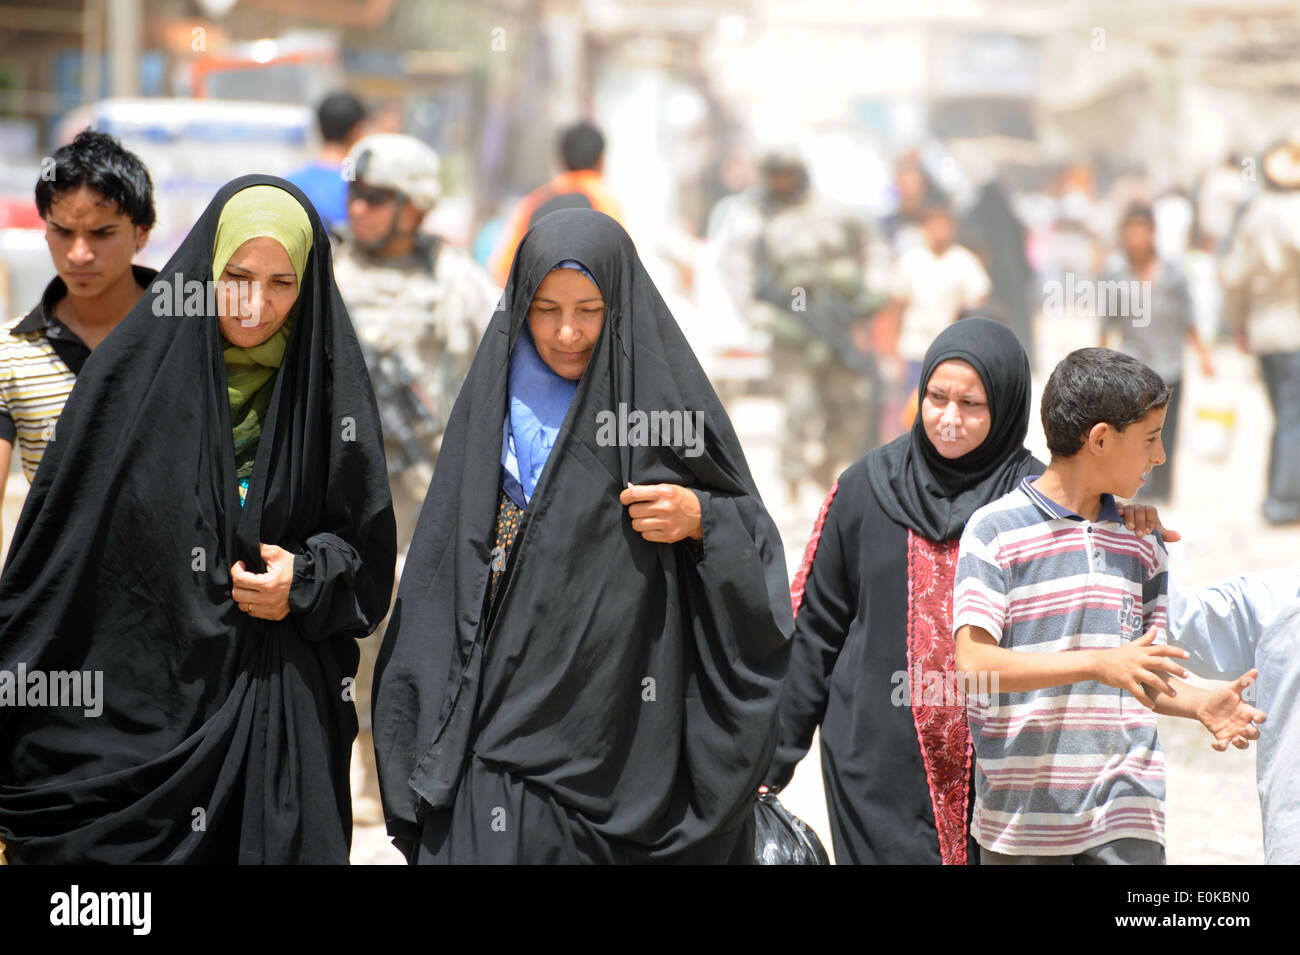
[1162, 268]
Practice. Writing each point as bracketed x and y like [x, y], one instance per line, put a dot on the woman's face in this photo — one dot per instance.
[955, 409]
[258, 288]
[565, 318]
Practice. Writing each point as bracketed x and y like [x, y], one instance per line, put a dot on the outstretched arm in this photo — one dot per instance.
[1222, 710]
[1140, 666]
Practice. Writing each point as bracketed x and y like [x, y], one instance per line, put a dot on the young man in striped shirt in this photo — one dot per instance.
[1067, 608]
[97, 203]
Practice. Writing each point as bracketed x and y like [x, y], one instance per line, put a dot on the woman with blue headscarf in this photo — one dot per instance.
[586, 651]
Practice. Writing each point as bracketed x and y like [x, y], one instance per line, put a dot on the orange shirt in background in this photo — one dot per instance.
[577, 184]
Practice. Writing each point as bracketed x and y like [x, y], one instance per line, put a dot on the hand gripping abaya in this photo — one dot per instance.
[222, 737]
[873, 635]
[615, 700]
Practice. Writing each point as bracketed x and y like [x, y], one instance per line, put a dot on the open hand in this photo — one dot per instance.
[1228, 717]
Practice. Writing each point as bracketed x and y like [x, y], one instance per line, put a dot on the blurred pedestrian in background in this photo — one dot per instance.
[992, 230]
[1157, 323]
[341, 118]
[1261, 302]
[914, 191]
[580, 186]
[1224, 191]
[933, 282]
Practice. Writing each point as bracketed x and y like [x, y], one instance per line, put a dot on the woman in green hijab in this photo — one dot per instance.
[263, 237]
[211, 531]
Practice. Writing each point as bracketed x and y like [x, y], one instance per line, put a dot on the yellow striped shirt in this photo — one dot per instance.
[34, 380]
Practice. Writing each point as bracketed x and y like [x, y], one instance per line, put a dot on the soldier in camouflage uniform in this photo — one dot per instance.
[811, 292]
[419, 306]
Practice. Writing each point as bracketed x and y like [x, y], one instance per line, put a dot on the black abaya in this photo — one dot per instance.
[851, 645]
[223, 737]
[618, 701]
[850, 672]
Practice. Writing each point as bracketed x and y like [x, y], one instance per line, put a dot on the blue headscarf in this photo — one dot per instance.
[539, 400]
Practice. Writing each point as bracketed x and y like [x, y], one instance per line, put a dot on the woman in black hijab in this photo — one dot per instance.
[873, 605]
[223, 625]
[592, 676]
[872, 664]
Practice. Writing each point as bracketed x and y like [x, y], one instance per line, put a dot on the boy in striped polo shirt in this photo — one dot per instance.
[1067, 608]
[97, 203]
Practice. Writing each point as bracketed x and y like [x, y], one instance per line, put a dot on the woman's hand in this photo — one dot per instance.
[1143, 519]
[264, 596]
[663, 513]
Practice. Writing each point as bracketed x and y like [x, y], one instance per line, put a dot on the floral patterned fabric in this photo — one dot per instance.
[940, 723]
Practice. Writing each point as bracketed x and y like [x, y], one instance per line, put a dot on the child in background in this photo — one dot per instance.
[1157, 337]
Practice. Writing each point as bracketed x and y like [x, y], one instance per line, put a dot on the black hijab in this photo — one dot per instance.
[933, 495]
[550, 688]
[223, 737]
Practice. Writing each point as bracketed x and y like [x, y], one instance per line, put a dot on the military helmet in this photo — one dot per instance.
[399, 162]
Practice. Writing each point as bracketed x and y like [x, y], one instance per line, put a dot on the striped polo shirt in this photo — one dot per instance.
[1063, 769]
[40, 358]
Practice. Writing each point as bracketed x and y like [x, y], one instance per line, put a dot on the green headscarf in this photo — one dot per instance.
[250, 372]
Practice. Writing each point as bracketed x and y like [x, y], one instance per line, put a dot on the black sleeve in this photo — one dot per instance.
[325, 595]
[7, 430]
[829, 606]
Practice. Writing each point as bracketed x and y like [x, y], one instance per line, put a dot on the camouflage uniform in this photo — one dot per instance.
[810, 282]
[420, 320]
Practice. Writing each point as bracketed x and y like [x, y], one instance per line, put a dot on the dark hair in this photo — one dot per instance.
[581, 147]
[1138, 212]
[938, 207]
[98, 161]
[338, 114]
[1095, 385]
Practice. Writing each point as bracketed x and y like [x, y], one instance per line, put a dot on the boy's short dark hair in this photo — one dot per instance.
[1138, 212]
[338, 115]
[1095, 385]
[98, 161]
[581, 147]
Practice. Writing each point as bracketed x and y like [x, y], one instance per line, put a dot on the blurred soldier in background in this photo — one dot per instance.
[810, 292]
[419, 306]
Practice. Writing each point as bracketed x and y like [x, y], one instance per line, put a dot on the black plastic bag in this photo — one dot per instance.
[781, 838]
